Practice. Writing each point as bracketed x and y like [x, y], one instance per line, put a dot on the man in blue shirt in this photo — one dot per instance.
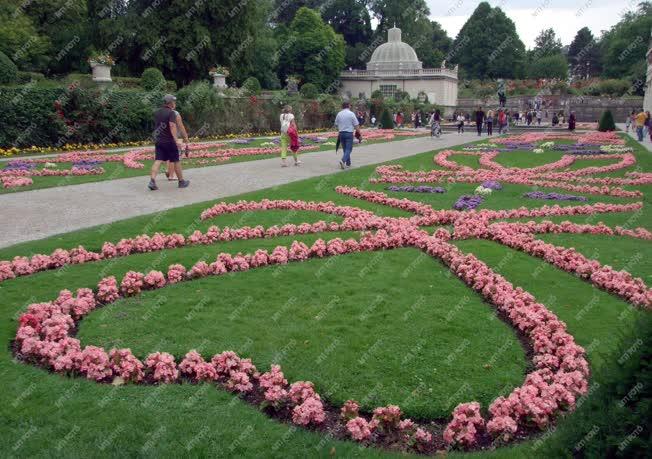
[346, 123]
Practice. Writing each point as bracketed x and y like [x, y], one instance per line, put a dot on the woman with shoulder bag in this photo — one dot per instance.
[287, 120]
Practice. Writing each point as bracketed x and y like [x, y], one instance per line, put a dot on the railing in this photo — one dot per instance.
[400, 72]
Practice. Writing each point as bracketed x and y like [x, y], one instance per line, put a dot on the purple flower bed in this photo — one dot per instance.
[416, 189]
[579, 149]
[241, 141]
[492, 184]
[468, 202]
[553, 196]
[19, 165]
[87, 164]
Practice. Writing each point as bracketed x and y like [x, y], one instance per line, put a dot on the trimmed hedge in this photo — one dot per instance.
[152, 79]
[43, 116]
[57, 116]
[606, 122]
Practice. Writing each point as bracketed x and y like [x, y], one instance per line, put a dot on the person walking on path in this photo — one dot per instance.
[346, 123]
[640, 124]
[479, 119]
[648, 124]
[460, 124]
[490, 122]
[571, 121]
[166, 148]
[502, 117]
[287, 120]
[628, 121]
[181, 128]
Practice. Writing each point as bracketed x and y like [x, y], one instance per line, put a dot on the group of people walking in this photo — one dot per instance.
[641, 123]
[484, 121]
[168, 125]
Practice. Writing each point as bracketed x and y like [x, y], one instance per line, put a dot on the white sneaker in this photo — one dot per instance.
[342, 165]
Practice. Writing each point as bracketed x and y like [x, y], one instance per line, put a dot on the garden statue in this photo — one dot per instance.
[502, 98]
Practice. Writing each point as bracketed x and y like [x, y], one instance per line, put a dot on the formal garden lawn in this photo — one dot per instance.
[381, 327]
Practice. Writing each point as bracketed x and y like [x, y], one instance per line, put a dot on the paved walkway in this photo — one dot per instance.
[632, 133]
[30, 215]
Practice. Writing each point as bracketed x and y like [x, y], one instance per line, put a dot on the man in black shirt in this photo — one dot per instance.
[479, 119]
[165, 134]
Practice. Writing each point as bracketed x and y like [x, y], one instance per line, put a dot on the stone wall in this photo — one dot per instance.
[586, 108]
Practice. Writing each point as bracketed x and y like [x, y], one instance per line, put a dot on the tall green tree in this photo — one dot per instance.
[488, 46]
[183, 38]
[284, 10]
[316, 53]
[624, 46]
[547, 43]
[436, 48]
[65, 23]
[352, 20]
[584, 54]
[551, 66]
[20, 39]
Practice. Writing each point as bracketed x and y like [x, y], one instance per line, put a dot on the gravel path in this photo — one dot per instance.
[37, 214]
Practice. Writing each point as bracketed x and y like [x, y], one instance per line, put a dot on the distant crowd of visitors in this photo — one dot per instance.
[501, 118]
[640, 123]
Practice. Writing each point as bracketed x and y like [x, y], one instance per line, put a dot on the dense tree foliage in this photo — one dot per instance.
[312, 39]
[317, 52]
[624, 46]
[584, 54]
[488, 46]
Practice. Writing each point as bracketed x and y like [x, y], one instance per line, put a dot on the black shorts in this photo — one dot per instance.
[167, 152]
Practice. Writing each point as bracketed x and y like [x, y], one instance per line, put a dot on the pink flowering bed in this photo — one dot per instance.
[559, 373]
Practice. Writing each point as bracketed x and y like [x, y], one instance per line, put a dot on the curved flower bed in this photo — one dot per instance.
[45, 337]
[553, 196]
[416, 189]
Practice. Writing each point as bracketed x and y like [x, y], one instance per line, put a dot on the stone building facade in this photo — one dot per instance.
[394, 66]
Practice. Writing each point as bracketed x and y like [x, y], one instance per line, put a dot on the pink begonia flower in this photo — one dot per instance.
[154, 280]
[125, 365]
[95, 363]
[311, 410]
[132, 283]
[194, 367]
[107, 290]
[301, 391]
[359, 429]
[350, 409]
[176, 273]
[161, 367]
[388, 417]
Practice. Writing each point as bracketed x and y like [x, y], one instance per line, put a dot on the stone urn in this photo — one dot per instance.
[293, 87]
[101, 72]
[219, 80]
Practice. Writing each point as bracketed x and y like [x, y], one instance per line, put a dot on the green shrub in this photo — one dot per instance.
[606, 122]
[377, 94]
[251, 86]
[8, 70]
[152, 80]
[309, 91]
[386, 121]
[28, 77]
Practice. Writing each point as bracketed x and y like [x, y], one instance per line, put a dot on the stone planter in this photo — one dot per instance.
[219, 80]
[101, 72]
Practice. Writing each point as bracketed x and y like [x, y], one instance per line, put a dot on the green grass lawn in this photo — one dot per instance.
[117, 170]
[384, 327]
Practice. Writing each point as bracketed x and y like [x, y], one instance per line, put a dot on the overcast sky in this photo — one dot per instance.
[566, 17]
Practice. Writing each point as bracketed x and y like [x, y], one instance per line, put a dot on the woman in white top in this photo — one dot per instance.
[287, 120]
